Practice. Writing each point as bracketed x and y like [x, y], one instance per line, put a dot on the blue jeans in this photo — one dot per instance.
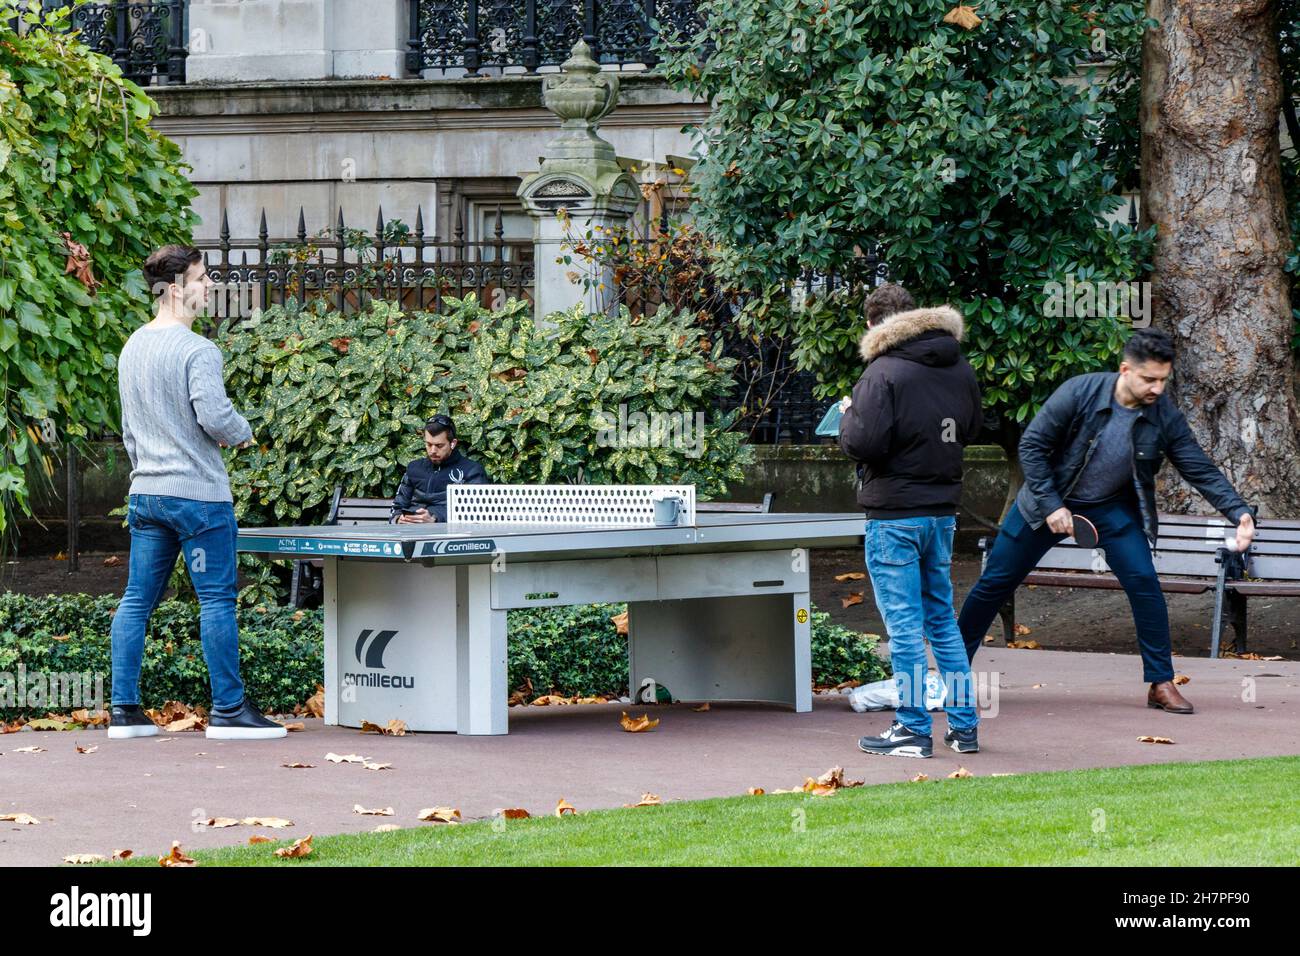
[1019, 547]
[910, 561]
[161, 528]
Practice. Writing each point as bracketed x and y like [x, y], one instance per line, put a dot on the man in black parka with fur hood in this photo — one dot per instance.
[912, 411]
[914, 408]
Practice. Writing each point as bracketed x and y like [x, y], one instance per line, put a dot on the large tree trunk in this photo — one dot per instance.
[1210, 181]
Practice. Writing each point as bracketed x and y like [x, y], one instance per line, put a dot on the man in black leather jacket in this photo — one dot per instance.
[422, 495]
[1094, 448]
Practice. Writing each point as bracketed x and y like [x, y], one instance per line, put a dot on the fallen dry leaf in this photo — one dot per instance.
[344, 758]
[1181, 678]
[293, 728]
[920, 777]
[1023, 629]
[635, 725]
[960, 774]
[851, 576]
[316, 703]
[1026, 645]
[22, 819]
[123, 854]
[852, 599]
[512, 813]
[829, 782]
[298, 766]
[394, 728]
[377, 812]
[77, 858]
[550, 700]
[963, 16]
[173, 711]
[300, 848]
[756, 791]
[218, 823]
[112, 561]
[276, 823]
[1155, 740]
[176, 857]
[564, 807]
[258, 838]
[192, 722]
[647, 800]
[703, 708]
[51, 724]
[620, 622]
[87, 750]
[90, 719]
[377, 766]
[440, 815]
[30, 750]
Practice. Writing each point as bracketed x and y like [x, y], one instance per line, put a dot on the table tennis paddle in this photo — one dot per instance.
[1085, 532]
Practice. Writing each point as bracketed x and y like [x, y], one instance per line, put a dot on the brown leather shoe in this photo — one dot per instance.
[1165, 696]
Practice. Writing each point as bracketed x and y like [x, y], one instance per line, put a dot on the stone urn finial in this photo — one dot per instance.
[580, 95]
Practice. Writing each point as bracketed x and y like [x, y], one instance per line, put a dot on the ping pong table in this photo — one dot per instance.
[415, 615]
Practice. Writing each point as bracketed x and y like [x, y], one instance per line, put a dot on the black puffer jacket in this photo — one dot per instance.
[914, 409]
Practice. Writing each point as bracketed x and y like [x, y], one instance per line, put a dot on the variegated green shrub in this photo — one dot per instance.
[338, 399]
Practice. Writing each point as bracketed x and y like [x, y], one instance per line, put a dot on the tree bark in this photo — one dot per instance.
[1211, 183]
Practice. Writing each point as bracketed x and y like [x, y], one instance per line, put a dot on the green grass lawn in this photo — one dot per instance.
[1204, 814]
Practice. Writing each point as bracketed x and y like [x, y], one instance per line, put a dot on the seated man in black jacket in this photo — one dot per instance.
[422, 495]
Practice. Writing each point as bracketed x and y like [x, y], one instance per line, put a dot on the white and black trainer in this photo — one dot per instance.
[243, 723]
[129, 720]
[963, 741]
[898, 741]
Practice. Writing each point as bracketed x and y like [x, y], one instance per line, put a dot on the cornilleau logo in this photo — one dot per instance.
[375, 653]
[369, 653]
[470, 546]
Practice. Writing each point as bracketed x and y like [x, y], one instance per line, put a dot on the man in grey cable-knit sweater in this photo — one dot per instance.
[176, 418]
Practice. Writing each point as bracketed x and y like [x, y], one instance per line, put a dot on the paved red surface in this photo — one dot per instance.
[142, 794]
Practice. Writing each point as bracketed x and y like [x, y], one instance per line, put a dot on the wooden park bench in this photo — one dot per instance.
[306, 581]
[1190, 558]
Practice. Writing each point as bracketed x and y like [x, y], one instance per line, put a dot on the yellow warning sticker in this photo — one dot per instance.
[801, 615]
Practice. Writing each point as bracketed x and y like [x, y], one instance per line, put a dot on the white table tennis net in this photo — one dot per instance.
[615, 506]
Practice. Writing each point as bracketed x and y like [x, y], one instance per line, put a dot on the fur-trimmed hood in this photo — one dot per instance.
[903, 326]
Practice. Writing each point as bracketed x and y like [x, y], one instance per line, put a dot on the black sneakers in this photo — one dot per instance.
[244, 723]
[963, 741]
[129, 720]
[897, 741]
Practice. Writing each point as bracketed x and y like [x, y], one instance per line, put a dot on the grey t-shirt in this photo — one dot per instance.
[1110, 469]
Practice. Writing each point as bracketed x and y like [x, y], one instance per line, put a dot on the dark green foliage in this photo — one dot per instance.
[77, 155]
[968, 155]
[562, 650]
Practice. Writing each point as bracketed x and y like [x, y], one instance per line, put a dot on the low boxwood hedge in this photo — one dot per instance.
[561, 650]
